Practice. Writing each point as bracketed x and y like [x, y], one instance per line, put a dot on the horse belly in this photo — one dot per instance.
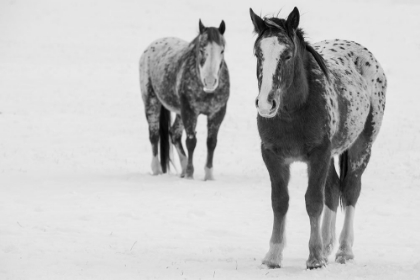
[358, 87]
[353, 109]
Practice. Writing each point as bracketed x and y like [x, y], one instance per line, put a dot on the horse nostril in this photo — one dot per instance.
[274, 105]
[256, 102]
[209, 81]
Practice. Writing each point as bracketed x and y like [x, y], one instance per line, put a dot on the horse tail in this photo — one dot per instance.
[344, 163]
[164, 124]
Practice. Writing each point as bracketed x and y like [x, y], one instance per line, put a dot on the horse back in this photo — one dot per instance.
[355, 95]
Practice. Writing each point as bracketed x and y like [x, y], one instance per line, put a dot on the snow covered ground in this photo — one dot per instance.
[77, 200]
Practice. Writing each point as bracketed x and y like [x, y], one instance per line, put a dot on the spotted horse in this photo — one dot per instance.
[188, 79]
[316, 103]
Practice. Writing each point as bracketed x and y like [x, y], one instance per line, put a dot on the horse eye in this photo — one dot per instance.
[222, 52]
[288, 57]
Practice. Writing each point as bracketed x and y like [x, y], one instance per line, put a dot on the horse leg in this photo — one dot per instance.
[357, 159]
[279, 177]
[213, 124]
[153, 108]
[332, 195]
[319, 162]
[189, 119]
[176, 136]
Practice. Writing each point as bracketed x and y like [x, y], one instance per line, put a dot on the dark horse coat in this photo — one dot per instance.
[315, 102]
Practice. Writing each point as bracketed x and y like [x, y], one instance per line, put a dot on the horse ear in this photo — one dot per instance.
[293, 19]
[201, 27]
[222, 27]
[258, 22]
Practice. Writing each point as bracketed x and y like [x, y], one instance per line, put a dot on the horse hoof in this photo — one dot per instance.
[189, 172]
[343, 257]
[156, 170]
[344, 254]
[315, 264]
[208, 174]
[270, 265]
[208, 178]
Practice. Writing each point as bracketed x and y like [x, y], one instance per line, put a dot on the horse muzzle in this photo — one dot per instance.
[267, 108]
[210, 84]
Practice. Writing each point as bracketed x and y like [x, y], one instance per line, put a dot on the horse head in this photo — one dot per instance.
[276, 50]
[210, 53]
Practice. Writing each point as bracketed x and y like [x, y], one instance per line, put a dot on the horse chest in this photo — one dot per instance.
[191, 91]
[290, 139]
[205, 103]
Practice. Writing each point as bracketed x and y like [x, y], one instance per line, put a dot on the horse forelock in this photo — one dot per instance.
[210, 35]
[277, 27]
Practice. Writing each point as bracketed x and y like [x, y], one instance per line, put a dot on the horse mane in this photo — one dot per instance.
[274, 23]
[319, 59]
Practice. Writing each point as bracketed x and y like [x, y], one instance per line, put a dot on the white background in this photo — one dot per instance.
[77, 200]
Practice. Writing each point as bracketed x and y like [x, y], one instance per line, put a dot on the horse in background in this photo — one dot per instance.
[315, 102]
[188, 79]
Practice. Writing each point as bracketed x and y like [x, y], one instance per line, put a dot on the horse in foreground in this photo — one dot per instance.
[188, 79]
[315, 102]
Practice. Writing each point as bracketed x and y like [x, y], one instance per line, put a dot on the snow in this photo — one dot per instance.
[77, 200]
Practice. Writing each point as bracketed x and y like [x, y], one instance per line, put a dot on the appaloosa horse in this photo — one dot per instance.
[315, 102]
[188, 79]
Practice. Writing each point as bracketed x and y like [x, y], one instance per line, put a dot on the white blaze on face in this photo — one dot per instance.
[210, 70]
[271, 50]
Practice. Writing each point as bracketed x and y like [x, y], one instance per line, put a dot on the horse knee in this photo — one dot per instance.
[191, 142]
[211, 143]
[176, 131]
[175, 137]
[280, 205]
[314, 204]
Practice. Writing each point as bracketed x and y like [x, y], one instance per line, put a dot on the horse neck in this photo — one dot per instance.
[297, 94]
[190, 56]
